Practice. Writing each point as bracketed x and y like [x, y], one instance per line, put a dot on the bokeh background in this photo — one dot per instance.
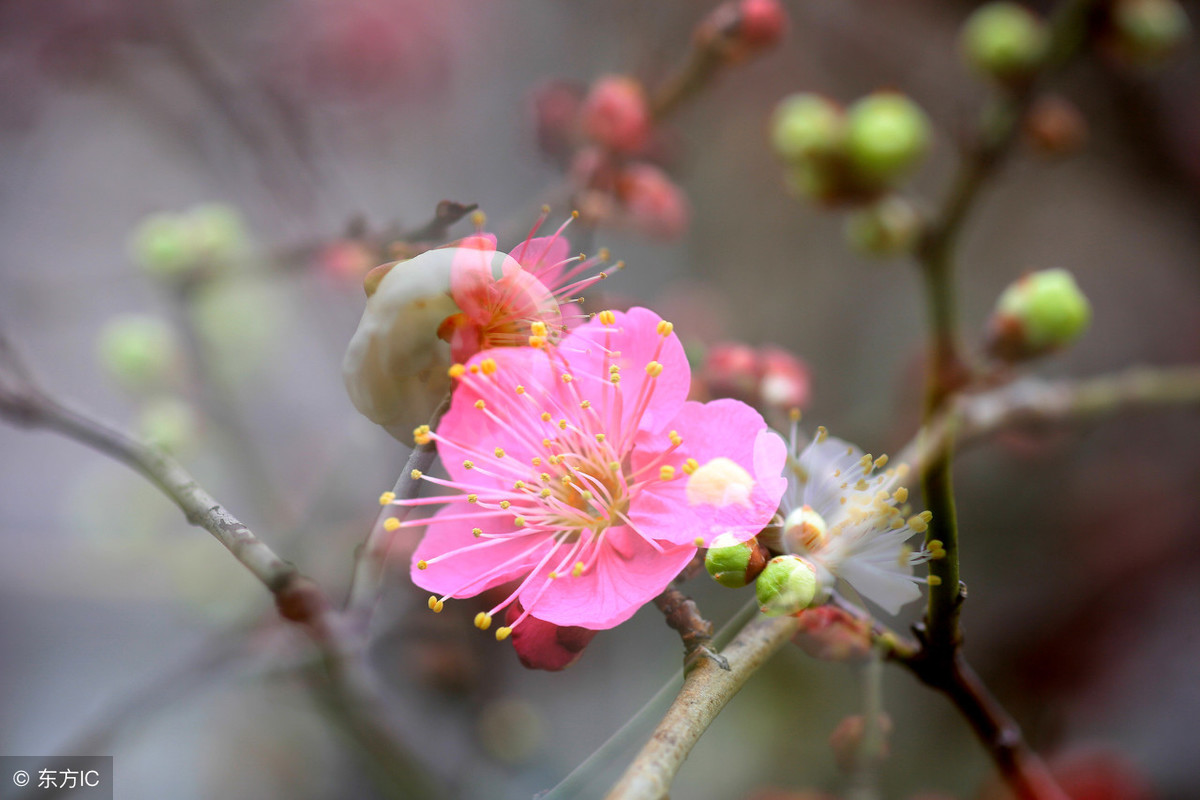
[124, 631]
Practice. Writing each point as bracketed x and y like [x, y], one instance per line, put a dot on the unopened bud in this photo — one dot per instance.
[887, 228]
[732, 563]
[785, 379]
[833, 634]
[1004, 41]
[173, 246]
[1041, 312]
[1054, 127]
[653, 204]
[807, 126]
[887, 136]
[853, 749]
[169, 423]
[786, 585]
[556, 111]
[741, 29]
[1148, 31]
[140, 351]
[615, 114]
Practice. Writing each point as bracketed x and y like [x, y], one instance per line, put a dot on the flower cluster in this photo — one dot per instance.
[581, 473]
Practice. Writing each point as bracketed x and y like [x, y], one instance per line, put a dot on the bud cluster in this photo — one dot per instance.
[839, 156]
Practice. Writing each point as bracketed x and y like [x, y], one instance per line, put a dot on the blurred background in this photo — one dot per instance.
[294, 143]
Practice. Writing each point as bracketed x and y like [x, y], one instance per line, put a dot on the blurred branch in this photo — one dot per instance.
[1038, 401]
[297, 598]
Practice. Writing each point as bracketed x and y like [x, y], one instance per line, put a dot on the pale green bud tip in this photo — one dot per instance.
[728, 561]
[1004, 41]
[887, 136]
[170, 424]
[887, 228]
[1049, 307]
[1149, 30]
[807, 126]
[138, 350]
[786, 586]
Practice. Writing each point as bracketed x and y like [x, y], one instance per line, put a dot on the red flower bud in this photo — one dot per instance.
[541, 645]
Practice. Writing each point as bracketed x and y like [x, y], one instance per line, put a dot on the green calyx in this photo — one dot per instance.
[1004, 41]
[732, 563]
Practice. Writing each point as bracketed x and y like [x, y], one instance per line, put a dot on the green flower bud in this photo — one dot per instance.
[1004, 41]
[887, 136]
[173, 246]
[807, 126]
[1041, 312]
[889, 227]
[788, 584]
[169, 423]
[138, 350]
[732, 563]
[1147, 31]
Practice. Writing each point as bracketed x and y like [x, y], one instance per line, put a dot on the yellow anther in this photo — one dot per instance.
[478, 219]
[545, 416]
[934, 580]
[666, 473]
[545, 493]
[483, 620]
[468, 464]
[879, 462]
[577, 570]
[520, 389]
[664, 328]
[575, 214]
[607, 318]
[538, 328]
[472, 498]
[615, 466]
[519, 485]
[421, 434]
[935, 544]
[603, 254]
[386, 498]
[480, 405]
[488, 365]
[505, 504]
[553, 576]
[917, 524]
[499, 451]
[586, 495]
[675, 438]
[614, 368]
[436, 605]
[565, 480]
[473, 369]
[901, 495]
[698, 541]
[556, 460]
[562, 424]
[545, 476]
[519, 522]
[537, 341]
[822, 434]
[536, 461]
[567, 377]
[926, 515]
[614, 379]
[423, 564]
[586, 404]
[391, 524]
[503, 633]
[457, 371]
[794, 414]
[477, 532]
[690, 466]
[654, 369]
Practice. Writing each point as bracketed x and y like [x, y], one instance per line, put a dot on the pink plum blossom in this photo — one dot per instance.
[583, 473]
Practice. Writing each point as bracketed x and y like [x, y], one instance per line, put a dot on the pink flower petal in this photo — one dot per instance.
[629, 573]
[635, 337]
[722, 429]
[478, 568]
